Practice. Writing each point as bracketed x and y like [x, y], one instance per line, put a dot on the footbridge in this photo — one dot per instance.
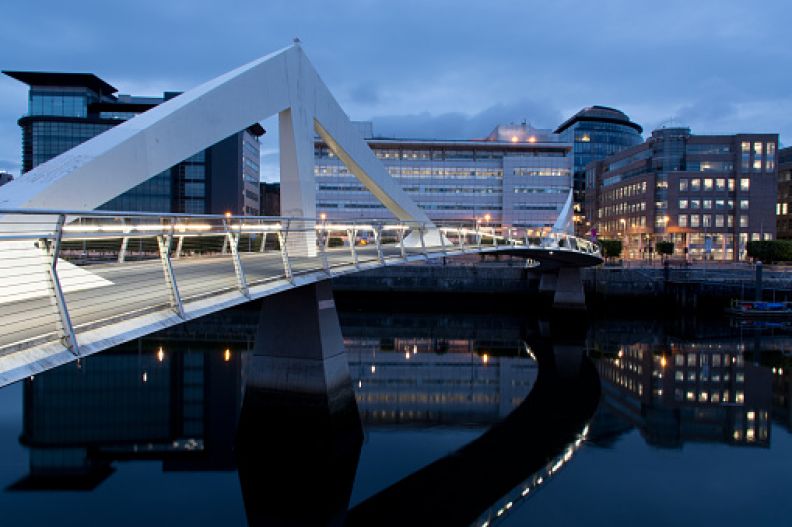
[76, 281]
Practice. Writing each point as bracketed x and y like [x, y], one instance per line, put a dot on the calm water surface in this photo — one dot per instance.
[467, 419]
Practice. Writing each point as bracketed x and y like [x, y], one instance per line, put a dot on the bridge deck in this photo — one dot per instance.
[105, 289]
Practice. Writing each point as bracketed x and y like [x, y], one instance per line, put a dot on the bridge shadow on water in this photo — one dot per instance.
[298, 454]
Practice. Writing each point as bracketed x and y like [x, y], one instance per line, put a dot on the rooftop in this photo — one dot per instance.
[599, 114]
[72, 80]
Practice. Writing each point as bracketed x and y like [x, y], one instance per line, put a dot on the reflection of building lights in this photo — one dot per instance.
[323, 216]
[145, 376]
[663, 361]
[360, 384]
[415, 349]
[485, 358]
[373, 369]
[514, 139]
[407, 355]
[227, 355]
[532, 139]
[160, 354]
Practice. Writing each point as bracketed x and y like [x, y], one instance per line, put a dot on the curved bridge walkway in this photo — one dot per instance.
[75, 283]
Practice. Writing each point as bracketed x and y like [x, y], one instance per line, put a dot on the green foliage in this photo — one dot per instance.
[611, 248]
[771, 250]
[665, 248]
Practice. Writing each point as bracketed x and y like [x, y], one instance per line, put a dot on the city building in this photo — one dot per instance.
[270, 199]
[707, 194]
[784, 205]
[595, 132]
[518, 176]
[5, 177]
[66, 109]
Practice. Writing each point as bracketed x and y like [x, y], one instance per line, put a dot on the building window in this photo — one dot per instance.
[707, 203]
[731, 184]
[743, 220]
[708, 184]
[743, 204]
[683, 203]
[682, 220]
[695, 184]
[683, 185]
[745, 183]
[730, 221]
[706, 220]
[768, 236]
[695, 203]
[757, 164]
[784, 208]
[719, 220]
[720, 184]
[694, 220]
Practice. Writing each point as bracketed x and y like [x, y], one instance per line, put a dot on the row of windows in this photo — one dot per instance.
[543, 172]
[66, 104]
[453, 172]
[710, 184]
[621, 208]
[626, 191]
[707, 204]
[710, 220]
[443, 155]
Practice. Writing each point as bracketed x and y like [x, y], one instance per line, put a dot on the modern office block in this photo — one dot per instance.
[518, 176]
[708, 194]
[784, 205]
[66, 109]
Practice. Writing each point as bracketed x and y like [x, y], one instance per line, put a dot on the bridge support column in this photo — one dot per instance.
[299, 348]
[569, 292]
[299, 428]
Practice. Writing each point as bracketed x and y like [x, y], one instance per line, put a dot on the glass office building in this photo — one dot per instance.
[595, 132]
[518, 176]
[66, 109]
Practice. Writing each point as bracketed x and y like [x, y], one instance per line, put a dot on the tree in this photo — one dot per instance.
[611, 248]
[664, 248]
[770, 250]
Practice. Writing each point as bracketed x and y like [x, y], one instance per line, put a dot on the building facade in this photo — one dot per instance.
[518, 176]
[784, 205]
[5, 177]
[707, 194]
[595, 132]
[66, 109]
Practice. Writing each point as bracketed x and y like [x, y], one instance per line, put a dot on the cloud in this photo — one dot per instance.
[458, 125]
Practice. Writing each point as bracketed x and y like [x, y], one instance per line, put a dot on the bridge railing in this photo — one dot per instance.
[66, 272]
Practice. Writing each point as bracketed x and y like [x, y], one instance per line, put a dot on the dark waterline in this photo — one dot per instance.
[135, 437]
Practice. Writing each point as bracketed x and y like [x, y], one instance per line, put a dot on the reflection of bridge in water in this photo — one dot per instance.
[179, 402]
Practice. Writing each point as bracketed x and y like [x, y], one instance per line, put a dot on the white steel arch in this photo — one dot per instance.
[283, 83]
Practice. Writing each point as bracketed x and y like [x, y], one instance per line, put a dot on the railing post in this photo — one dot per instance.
[494, 239]
[287, 270]
[323, 236]
[478, 236]
[378, 241]
[401, 241]
[461, 240]
[233, 242]
[423, 242]
[351, 235]
[164, 244]
[124, 243]
[442, 241]
[179, 246]
[51, 253]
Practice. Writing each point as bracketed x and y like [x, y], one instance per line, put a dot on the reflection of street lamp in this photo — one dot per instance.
[487, 217]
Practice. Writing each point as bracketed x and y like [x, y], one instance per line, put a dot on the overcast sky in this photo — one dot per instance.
[451, 69]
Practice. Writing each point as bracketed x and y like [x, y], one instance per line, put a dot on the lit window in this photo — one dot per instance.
[683, 185]
[758, 149]
[695, 204]
[757, 164]
[731, 184]
[739, 397]
[745, 183]
[683, 203]
[719, 220]
[784, 209]
[720, 184]
[703, 397]
[682, 220]
[694, 220]
[679, 359]
[743, 204]
[708, 184]
[743, 220]
[679, 376]
[691, 396]
[746, 146]
[695, 185]
[707, 203]
[706, 220]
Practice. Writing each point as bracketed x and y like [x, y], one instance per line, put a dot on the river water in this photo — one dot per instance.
[456, 417]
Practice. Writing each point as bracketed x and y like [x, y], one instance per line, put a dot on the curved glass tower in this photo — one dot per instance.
[596, 132]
